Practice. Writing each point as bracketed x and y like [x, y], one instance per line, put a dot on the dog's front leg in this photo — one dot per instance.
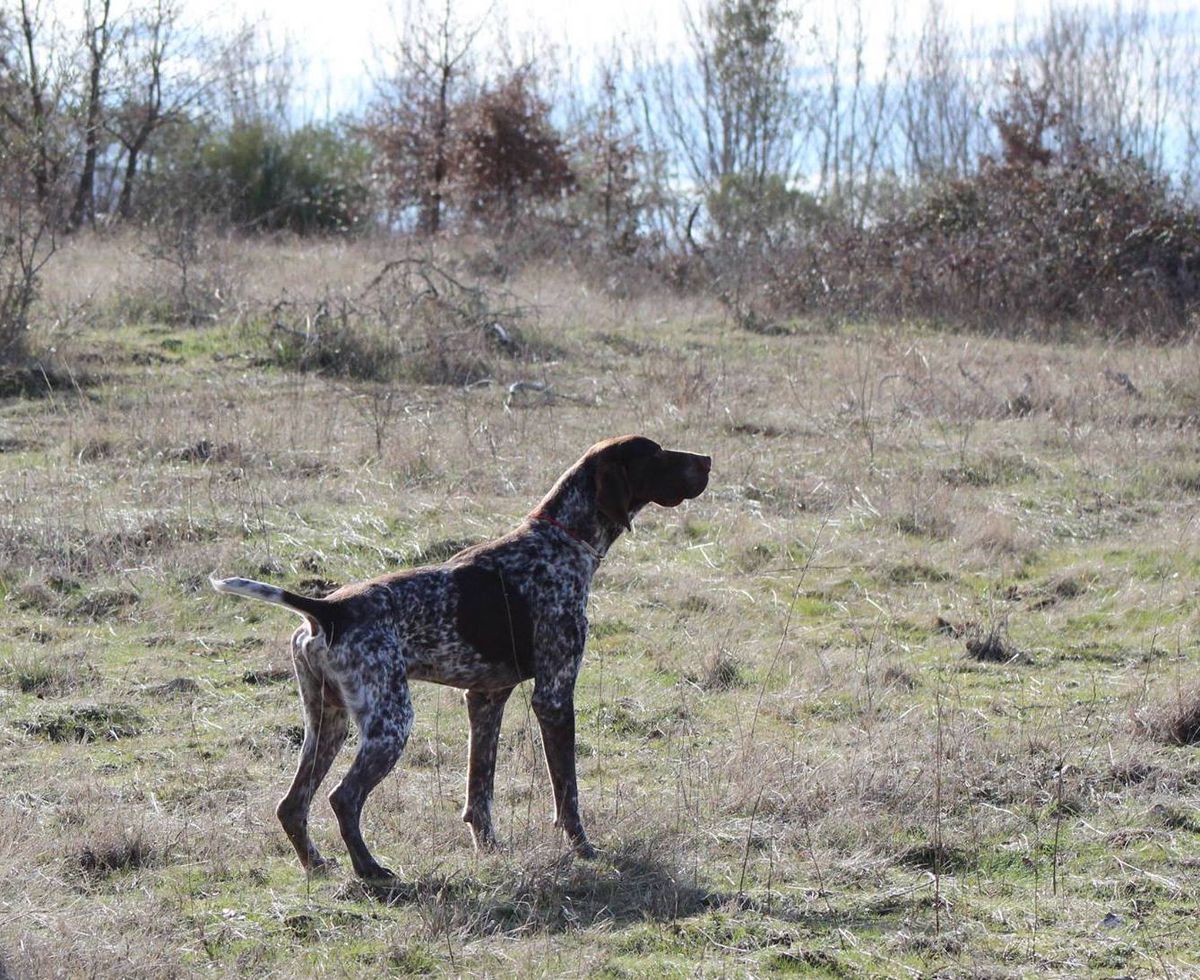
[485, 710]
[554, 706]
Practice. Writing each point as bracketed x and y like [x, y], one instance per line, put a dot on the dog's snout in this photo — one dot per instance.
[705, 463]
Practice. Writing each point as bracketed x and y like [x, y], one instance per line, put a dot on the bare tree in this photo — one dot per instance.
[1109, 80]
[731, 111]
[851, 112]
[27, 242]
[251, 78]
[943, 121]
[27, 234]
[612, 155]
[158, 88]
[1185, 115]
[98, 35]
[34, 61]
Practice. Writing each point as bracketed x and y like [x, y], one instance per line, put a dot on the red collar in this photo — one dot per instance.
[570, 532]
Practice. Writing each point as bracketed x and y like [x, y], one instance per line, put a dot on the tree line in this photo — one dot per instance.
[789, 158]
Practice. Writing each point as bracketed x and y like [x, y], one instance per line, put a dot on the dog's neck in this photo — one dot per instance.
[571, 505]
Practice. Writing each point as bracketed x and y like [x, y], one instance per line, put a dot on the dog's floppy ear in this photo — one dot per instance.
[614, 496]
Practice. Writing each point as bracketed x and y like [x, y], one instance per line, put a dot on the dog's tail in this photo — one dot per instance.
[316, 611]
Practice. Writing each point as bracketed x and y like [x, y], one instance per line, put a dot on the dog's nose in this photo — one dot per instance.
[705, 463]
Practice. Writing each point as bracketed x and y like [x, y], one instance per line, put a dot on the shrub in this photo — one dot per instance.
[413, 321]
[1015, 244]
[311, 180]
[26, 244]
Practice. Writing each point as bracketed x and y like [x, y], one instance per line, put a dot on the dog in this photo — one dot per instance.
[485, 620]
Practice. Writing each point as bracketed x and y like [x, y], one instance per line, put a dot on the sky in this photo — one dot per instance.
[336, 42]
[338, 51]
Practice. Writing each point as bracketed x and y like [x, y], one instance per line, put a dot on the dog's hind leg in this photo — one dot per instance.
[325, 725]
[384, 718]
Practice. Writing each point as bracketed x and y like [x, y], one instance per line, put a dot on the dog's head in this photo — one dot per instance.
[632, 471]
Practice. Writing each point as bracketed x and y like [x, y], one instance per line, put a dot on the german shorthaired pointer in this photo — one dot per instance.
[485, 620]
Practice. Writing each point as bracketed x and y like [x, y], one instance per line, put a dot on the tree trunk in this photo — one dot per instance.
[84, 208]
[125, 201]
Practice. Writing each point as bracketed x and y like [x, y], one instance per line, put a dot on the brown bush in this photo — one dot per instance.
[1016, 245]
[508, 155]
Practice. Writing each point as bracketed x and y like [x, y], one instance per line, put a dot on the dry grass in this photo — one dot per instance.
[787, 757]
[1176, 719]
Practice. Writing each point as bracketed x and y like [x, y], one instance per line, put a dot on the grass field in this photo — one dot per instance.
[903, 693]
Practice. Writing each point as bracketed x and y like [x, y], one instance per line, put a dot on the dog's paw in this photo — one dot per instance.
[378, 875]
[321, 867]
[485, 843]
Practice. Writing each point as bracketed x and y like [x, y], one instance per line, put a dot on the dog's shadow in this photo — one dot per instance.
[629, 884]
[632, 884]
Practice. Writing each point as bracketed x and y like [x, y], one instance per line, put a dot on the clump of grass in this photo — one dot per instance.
[807, 962]
[721, 671]
[175, 687]
[1175, 721]
[115, 852]
[205, 451]
[940, 858]
[1062, 588]
[1186, 479]
[754, 556]
[695, 603]
[439, 551]
[944, 627]
[344, 349]
[267, 675]
[913, 572]
[95, 449]
[87, 723]
[45, 674]
[1175, 818]
[899, 677]
[36, 379]
[635, 882]
[627, 716]
[103, 604]
[993, 646]
[929, 524]
[989, 470]
[999, 536]
[34, 595]
[413, 960]
[764, 430]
